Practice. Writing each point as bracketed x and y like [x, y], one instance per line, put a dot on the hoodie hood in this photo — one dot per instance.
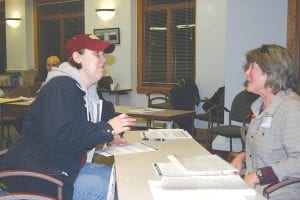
[93, 103]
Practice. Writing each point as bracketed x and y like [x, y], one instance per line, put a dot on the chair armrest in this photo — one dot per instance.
[22, 195]
[9, 173]
[275, 186]
[3, 152]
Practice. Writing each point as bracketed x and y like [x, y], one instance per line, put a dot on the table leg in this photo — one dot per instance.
[117, 99]
[169, 124]
[1, 127]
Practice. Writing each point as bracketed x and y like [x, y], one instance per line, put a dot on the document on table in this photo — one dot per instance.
[145, 110]
[137, 147]
[165, 134]
[198, 177]
[159, 193]
[202, 165]
[8, 100]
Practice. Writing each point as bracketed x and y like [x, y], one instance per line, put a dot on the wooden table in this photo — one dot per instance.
[8, 102]
[168, 115]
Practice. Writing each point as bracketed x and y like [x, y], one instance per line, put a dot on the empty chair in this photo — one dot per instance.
[159, 100]
[240, 112]
[185, 96]
[214, 110]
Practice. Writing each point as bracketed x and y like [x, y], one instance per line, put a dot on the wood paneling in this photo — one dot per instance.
[293, 38]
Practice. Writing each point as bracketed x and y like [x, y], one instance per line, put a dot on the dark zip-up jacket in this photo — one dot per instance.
[56, 133]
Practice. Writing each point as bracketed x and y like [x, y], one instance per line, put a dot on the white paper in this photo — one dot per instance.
[145, 110]
[130, 148]
[202, 165]
[165, 134]
[162, 194]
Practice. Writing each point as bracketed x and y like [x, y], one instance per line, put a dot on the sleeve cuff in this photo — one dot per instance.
[268, 175]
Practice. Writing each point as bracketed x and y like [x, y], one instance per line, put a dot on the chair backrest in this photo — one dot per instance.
[159, 100]
[275, 186]
[27, 196]
[217, 101]
[185, 95]
[241, 106]
[31, 174]
[20, 91]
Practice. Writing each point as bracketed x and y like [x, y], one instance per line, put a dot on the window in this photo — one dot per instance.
[58, 20]
[3, 64]
[166, 43]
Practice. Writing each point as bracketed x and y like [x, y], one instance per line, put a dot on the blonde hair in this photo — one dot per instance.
[53, 60]
[278, 64]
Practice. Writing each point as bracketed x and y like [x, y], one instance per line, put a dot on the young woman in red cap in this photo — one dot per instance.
[66, 120]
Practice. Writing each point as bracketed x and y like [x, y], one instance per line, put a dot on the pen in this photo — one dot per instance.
[156, 139]
[157, 169]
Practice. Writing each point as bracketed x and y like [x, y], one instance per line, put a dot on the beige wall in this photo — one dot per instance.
[226, 29]
[19, 41]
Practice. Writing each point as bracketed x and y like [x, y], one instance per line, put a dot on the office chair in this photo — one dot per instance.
[240, 112]
[275, 186]
[185, 96]
[214, 111]
[5, 174]
[26, 195]
[159, 100]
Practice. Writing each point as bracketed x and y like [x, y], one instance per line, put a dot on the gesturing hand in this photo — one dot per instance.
[121, 123]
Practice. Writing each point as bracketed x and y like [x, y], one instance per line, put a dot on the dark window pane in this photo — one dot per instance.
[60, 8]
[184, 44]
[155, 48]
[168, 41]
[58, 21]
[49, 42]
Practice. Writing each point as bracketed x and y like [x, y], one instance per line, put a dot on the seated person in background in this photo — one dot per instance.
[272, 143]
[51, 61]
[63, 124]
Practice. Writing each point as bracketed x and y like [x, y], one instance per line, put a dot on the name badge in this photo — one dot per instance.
[266, 123]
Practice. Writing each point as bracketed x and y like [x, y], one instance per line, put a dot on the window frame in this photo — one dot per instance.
[153, 87]
[61, 18]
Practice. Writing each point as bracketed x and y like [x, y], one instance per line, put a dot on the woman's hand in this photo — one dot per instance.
[251, 179]
[118, 141]
[121, 123]
[238, 161]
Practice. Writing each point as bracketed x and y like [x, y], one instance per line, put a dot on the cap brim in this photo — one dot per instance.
[110, 48]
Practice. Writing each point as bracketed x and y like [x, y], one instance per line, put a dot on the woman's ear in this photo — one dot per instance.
[76, 57]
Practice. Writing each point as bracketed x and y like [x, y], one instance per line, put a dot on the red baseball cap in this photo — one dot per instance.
[88, 41]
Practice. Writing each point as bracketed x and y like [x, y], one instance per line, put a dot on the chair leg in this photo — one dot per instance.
[208, 135]
[8, 140]
[230, 140]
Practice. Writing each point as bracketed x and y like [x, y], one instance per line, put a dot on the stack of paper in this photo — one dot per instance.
[207, 174]
[165, 134]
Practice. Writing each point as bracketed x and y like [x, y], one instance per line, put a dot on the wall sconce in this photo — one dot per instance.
[13, 22]
[106, 14]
